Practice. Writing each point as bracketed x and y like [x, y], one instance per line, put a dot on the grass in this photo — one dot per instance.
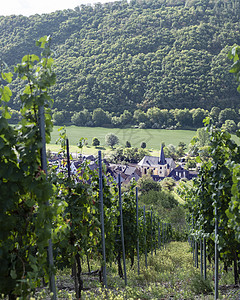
[153, 137]
[170, 275]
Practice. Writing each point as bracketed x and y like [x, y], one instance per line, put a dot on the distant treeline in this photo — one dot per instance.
[154, 118]
[130, 55]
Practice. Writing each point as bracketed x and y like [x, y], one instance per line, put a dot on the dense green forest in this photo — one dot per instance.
[133, 55]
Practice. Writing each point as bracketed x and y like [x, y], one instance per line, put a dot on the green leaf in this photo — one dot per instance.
[6, 94]
[30, 58]
[2, 143]
[7, 77]
[13, 274]
[5, 112]
[42, 41]
[30, 202]
[198, 159]
[235, 67]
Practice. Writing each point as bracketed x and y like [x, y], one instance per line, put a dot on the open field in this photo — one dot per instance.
[153, 137]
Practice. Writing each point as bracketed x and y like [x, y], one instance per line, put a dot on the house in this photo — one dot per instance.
[126, 172]
[160, 166]
[179, 172]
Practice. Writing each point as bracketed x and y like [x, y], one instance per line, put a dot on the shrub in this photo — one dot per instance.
[95, 142]
[199, 285]
[147, 184]
[128, 144]
[165, 199]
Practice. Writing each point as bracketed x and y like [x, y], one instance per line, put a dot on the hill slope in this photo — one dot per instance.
[120, 55]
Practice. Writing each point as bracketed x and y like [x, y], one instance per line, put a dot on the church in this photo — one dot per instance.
[158, 166]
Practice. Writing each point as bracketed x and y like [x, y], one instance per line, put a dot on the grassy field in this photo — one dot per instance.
[153, 137]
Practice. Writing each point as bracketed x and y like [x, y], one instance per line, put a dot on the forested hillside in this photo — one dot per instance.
[133, 55]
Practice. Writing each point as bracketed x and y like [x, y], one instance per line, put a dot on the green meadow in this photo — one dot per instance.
[153, 137]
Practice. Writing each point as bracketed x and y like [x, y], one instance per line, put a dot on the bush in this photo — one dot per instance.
[162, 198]
[168, 183]
[95, 142]
[146, 184]
[199, 285]
[143, 145]
[128, 144]
[142, 125]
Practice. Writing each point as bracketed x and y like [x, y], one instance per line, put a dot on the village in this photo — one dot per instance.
[158, 167]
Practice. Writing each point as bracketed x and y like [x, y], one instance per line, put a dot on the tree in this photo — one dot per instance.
[82, 141]
[157, 116]
[95, 142]
[183, 117]
[128, 144]
[100, 117]
[214, 113]
[234, 54]
[229, 126]
[143, 145]
[198, 116]
[140, 116]
[81, 118]
[168, 183]
[58, 118]
[111, 140]
[146, 184]
[126, 118]
[202, 137]
[170, 151]
[191, 163]
[181, 149]
[227, 114]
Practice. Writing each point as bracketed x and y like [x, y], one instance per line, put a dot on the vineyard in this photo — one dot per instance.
[52, 221]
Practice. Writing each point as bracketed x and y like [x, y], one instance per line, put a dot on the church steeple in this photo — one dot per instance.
[162, 160]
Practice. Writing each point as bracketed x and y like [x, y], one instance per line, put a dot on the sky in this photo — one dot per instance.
[31, 7]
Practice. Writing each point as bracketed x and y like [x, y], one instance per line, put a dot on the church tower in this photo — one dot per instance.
[162, 160]
[163, 167]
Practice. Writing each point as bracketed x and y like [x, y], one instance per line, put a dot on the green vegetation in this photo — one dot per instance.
[111, 140]
[215, 196]
[95, 142]
[170, 274]
[153, 137]
[25, 218]
[62, 210]
[123, 56]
